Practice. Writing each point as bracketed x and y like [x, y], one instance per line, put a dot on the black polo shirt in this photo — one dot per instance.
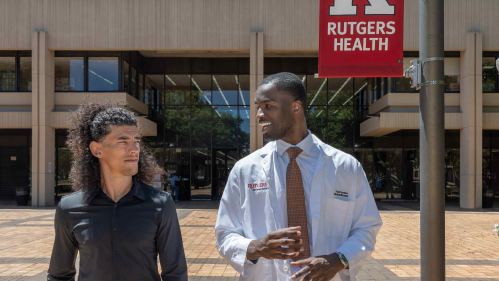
[118, 241]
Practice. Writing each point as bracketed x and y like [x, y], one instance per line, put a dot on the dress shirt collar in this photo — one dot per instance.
[305, 145]
[136, 191]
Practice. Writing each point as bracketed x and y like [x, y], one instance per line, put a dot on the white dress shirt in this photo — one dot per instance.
[306, 160]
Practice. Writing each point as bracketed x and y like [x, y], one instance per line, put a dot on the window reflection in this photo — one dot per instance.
[244, 126]
[7, 74]
[225, 89]
[317, 120]
[225, 124]
[103, 74]
[141, 87]
[201, 173]
[126, 79]
[177, 126]
[177, 89]
[201, 126]
[69, 74]
[489, 72]
[25, 73]
[201, 89]
[340, 91]
[243, 88]
[154, 90]
[316, 89]
[134, 83]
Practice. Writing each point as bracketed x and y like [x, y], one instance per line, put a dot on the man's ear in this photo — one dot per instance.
[96, 149]
[297, 106]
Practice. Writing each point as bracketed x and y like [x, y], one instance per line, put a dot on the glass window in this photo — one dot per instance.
[201, 89]
[225, 89]
[148, 90]
[126, 76]
[340, 91]
[134, 83]
[225, 126]
[317, 120]
[244, 126]
[201, 126]
[452, 174]
[103, 74]
[7, 74]
[64, 159]
[388, 173]
[489, 71]
[177, 130]
[26, 74]
[243, 82]
[365, 157]
[201, 162]
[177, 89]
[451, 74]
[69, 74]
[154, 87]
[141, 87]
[316, 90]
[360, 94]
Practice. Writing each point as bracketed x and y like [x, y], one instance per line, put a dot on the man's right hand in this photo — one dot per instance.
[271, 246]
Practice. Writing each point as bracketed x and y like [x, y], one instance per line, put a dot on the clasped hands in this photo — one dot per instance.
[285, 244]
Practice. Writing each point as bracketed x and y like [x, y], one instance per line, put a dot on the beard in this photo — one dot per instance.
[278, 132]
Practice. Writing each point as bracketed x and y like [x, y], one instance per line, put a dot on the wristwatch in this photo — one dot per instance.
[343, 259]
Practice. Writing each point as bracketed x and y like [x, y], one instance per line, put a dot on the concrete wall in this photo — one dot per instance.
[210, 24]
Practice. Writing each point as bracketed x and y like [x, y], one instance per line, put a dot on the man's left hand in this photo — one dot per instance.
[321, 268]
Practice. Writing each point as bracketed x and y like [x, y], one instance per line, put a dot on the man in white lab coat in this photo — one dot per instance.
[296, 207]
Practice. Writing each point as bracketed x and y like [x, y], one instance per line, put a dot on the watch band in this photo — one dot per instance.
[343, 259]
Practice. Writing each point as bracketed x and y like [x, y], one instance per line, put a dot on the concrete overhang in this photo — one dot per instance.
[389, 122]
[490, 99]
[15, 120]
[490, 121]
[15, 98]
[76, 98]
[408, 100]
[59, 121]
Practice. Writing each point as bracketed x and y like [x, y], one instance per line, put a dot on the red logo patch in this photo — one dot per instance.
[257, 185]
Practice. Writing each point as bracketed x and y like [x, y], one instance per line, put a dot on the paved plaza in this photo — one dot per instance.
[472, 249]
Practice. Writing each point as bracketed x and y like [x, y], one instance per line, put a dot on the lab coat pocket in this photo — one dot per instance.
[338, 210]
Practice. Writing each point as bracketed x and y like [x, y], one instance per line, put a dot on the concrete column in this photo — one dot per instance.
[256, 76]
[43, 134]
[471, 135]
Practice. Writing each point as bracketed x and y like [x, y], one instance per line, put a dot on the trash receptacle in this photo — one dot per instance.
[488, 198]
[22, 196]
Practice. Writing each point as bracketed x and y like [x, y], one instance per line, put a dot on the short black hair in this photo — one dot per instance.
[288, 83]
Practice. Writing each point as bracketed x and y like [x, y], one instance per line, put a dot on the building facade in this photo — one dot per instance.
[189, 70]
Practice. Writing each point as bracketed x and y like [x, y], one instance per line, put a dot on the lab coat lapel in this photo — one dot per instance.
[267, 161]
[315, 194]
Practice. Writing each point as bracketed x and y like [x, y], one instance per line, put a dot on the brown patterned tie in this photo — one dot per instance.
[295, 195]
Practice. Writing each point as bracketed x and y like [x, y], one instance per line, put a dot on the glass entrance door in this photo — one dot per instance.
[223, 161]
[388, 169]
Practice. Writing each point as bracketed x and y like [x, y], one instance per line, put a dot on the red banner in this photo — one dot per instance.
[361, 38]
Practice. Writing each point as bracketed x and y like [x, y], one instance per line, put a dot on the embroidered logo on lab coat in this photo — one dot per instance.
[258, 186]
[340, 193]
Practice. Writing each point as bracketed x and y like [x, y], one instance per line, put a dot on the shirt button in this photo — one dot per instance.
[115, 229]
[286, 269]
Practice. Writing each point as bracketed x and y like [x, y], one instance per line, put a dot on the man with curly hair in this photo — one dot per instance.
[117, 222]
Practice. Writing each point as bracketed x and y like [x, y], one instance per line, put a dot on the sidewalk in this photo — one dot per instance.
[472, 249]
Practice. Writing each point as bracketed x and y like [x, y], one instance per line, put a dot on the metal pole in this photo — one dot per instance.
[432, 140]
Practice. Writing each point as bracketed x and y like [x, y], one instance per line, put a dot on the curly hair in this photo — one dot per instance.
[91, 123]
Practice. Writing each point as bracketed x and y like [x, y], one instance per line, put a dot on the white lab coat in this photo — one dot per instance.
[344, 215]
